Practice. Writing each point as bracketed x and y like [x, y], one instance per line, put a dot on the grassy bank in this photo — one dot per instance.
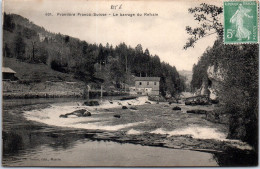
[40, 81]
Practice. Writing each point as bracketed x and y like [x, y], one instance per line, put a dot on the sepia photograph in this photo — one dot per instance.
[135, 83]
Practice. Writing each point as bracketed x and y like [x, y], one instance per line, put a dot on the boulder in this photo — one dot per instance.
[91, 103]
[124, 107]
[192, 103]
[128, 98]
[79, 113]
[87, 113]
[117, 116]
[214, 101]
[198, 102]
[133, 108]
[187, 103]
[191, 111]
[63, 116]
[176, 108]
[197, 111]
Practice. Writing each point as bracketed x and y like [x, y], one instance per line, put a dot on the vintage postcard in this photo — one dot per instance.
[92, 83]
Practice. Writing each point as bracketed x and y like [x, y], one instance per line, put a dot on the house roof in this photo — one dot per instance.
[147, 79]
[7, 70]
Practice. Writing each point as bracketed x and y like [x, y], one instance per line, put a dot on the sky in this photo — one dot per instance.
[164, 35]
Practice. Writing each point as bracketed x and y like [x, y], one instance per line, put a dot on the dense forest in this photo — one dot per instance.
[238, 92]
[91, 63]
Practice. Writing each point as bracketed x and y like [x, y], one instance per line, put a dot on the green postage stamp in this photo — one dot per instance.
[240, 22]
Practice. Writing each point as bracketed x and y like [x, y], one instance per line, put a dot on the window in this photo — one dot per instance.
[140, 83]
[154, 83]
[147, 83]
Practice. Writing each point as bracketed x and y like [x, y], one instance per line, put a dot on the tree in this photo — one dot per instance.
[146, 52]
[117, 73]
[41, 55]
[33, 50]
[29, 33]
[20, 45]
[67, 39]
[6, 51]
[139, 49]
[200, 71]
[208, 16]
[238, 91]
[8, 24]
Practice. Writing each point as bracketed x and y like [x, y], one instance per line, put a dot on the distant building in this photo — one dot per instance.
[146, 86]
[8, 73]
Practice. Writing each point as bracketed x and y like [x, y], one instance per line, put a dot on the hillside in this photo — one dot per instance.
[40, 54]
[187, 74]
[188, 77]
[31, 72]
[39, 80]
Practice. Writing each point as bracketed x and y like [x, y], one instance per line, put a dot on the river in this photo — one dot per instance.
[85, 152]
[34, 136]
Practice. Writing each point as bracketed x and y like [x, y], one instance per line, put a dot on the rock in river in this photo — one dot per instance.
[133, 108]
[124, 107]
[197, 111]
[176, 108]
[63, 116]
[79, 113]
[117, 116]
[91, 103]
[87, 113]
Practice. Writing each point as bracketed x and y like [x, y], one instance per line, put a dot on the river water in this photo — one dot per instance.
[30, 139]
[93, 153]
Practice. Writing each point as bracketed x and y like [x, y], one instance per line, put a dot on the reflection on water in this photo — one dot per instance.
[93, 153]
[76, 148]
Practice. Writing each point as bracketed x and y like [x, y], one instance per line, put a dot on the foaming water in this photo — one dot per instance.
[133, 131]
[195, 132]
[106, 104]
[204, 133]
[51, 115]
